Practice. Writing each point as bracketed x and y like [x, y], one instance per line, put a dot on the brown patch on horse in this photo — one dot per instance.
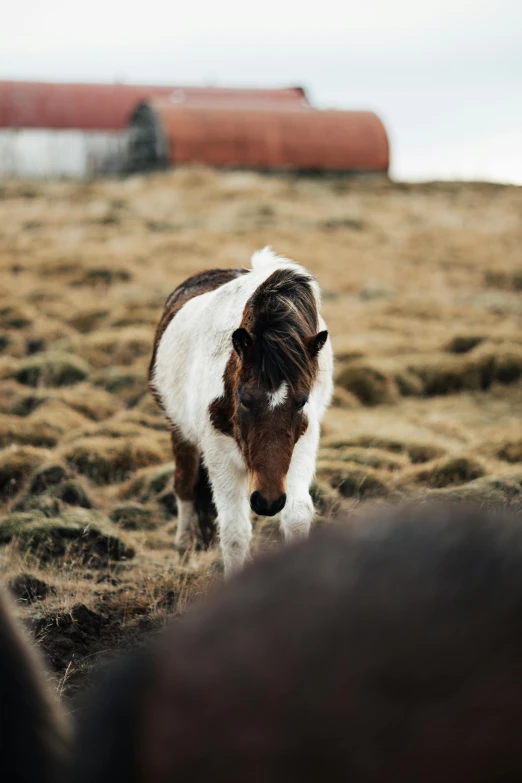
[222, 409]
[191, 482]
[190, 288]
[186, 460]
[204, 505]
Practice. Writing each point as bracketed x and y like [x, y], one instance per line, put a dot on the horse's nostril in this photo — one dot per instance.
[257, 503]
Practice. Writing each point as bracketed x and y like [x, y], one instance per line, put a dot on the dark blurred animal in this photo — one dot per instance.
[384, 649]
[240, 371]
[33, 733]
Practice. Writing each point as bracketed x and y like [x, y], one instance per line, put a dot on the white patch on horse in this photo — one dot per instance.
[278, 397]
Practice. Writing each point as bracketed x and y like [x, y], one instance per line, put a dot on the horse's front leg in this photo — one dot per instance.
[298, 513]
[230, 492]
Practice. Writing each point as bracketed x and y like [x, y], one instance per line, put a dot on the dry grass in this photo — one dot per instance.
[421, 289]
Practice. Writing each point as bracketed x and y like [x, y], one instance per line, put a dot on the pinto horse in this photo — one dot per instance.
[242, 368]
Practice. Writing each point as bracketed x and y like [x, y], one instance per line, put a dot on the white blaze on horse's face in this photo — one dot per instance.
[277, 397]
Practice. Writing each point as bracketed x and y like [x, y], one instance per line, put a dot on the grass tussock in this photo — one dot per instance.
[134, 516]
[327, 500]
[29, 588]
[52, 368]
[416, 452]
[148, 484]
[352, 480]
[486, 491]
[106, 460]
[148, 406]
[445, 472]
[382, 381]
[57, 415]
[52, 487]
[372, 457]
[26, 432]
[106, 348]
[93, 403]
[101, 276]
[16, 465]
[463, 343]
[369, 384]
[86, 536]
[509, 280]
[127, 384]
[511, 451]
[47, 477]
[16, 315]
[88, 319]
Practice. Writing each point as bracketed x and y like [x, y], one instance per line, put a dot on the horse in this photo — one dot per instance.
[242, 369]
[383, 648]
[34, 732]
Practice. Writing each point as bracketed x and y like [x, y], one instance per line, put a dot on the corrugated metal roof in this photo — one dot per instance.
[258, 137]
[109, 106]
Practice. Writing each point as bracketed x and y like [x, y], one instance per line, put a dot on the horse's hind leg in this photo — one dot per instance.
[204, 504]
[186, 459]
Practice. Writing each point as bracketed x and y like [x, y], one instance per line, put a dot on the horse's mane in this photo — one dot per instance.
[284, 314]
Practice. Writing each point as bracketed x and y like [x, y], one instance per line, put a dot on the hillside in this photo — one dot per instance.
[422, 295]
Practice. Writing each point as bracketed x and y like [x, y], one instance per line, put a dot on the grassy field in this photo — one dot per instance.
[422, 288]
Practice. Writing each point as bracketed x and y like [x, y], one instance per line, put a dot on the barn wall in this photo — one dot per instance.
[268, 138]
[34, 152]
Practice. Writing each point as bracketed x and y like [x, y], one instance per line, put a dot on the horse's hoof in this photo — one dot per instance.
[183, 544]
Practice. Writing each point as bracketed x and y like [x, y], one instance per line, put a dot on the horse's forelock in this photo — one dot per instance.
[282, 356]
[282, 315]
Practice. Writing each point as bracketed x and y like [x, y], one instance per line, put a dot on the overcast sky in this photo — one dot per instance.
[446, 76]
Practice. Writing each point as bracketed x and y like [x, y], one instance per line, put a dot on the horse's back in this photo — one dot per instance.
[205, 281]
[193, 286]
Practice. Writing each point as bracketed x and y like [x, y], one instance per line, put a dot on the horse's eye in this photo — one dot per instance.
[301, 404]
[246, 404]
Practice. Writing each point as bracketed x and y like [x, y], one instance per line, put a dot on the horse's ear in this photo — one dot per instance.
[316, 342]
[242, 343]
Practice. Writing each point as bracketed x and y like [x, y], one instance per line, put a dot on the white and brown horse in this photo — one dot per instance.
[242, 368]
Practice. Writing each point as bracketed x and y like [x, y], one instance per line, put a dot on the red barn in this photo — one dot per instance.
[258, 136]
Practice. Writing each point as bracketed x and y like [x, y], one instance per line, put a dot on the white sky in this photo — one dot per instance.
[446, 76]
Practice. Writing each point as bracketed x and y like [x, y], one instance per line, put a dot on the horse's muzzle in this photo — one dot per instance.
[261, 506]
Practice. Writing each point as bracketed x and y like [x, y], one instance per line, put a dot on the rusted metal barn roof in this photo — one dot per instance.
[109, 106]
[257, 137]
